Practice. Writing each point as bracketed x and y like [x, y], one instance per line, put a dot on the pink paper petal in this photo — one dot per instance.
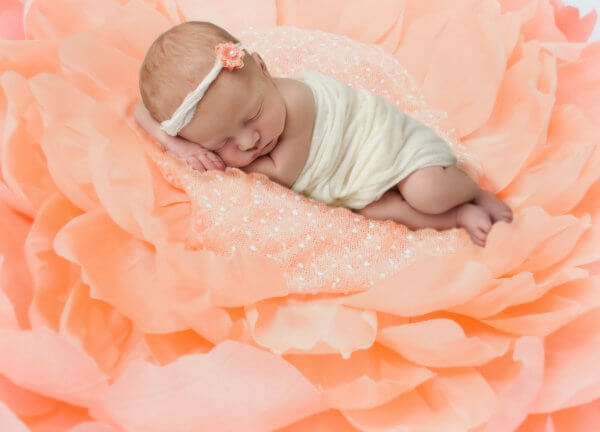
[262, 390]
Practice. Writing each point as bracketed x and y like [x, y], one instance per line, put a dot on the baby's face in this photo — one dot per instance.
[241, 115]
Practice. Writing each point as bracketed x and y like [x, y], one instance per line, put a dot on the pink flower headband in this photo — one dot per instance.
[229, 56]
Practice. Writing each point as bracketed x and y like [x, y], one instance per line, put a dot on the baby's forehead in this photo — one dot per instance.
[227, 101]
[227, 84]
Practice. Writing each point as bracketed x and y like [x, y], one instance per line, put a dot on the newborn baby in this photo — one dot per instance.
[213, 104]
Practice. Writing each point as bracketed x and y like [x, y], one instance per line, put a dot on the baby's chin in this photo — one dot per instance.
[251, 158]
[240, 164]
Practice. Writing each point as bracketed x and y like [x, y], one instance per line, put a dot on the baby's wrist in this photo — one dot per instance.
[176, 146]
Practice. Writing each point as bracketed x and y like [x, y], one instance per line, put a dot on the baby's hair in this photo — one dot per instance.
[175, 64]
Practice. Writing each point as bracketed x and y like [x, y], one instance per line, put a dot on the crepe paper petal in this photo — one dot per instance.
[11, 20]
[264, 13]
[456, 401]
[326, 421]
[60, 19]
[24, 403]
[440, 343]
[93, 427]
[368, 378]
[319, 327]
[126, 286]
[521, 115]
[571, 377]
[578, 418]
[42, 361]
[398, 296]
[517, 379]
[15, 280]
[263, 390]
[346, 19]
[576, 83]
[569, 20]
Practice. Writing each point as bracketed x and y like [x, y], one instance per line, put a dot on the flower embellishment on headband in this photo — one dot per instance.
[230, 55]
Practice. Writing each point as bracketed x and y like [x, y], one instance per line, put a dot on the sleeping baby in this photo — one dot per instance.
[215, 105]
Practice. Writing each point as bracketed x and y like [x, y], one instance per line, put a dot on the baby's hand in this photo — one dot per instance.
[204, 160]
[197, 157]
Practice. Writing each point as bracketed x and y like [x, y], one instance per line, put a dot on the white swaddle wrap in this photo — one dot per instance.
[362, 145]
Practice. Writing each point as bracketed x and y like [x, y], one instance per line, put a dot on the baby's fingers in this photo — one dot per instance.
[211, 161]
[195, 163]
[218, 160]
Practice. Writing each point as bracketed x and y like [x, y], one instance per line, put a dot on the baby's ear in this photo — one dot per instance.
[260, 61]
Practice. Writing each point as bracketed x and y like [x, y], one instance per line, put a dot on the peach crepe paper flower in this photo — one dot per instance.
[230, 55]
[109, 321]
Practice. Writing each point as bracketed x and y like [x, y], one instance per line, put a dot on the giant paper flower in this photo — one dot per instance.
[117, 313]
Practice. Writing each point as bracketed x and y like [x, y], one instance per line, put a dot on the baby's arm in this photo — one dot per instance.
[282, 165]
[196, 156]
[286, 161]
[266, 165]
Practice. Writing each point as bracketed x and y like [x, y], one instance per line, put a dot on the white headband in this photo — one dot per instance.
[229, 56]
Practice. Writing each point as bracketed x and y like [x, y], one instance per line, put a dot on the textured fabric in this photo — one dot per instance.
[362, 145]
[123, 307]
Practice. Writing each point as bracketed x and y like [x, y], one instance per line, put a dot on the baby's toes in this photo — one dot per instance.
[505, 212]
[478, 239]
[482, 233]
[484, 225]
[479, 236]
[503, 216]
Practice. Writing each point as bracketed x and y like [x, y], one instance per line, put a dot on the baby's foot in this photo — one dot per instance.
[494, 206]
[475, 220]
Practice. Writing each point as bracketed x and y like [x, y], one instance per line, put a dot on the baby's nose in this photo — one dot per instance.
[249, 141]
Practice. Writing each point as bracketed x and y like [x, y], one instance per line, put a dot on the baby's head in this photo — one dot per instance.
[242, 110]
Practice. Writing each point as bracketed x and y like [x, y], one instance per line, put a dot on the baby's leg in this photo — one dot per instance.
[437, 189]
[391, 206]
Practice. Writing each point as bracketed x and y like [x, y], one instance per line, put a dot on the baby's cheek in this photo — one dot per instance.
[225, 157]
[232, 159]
